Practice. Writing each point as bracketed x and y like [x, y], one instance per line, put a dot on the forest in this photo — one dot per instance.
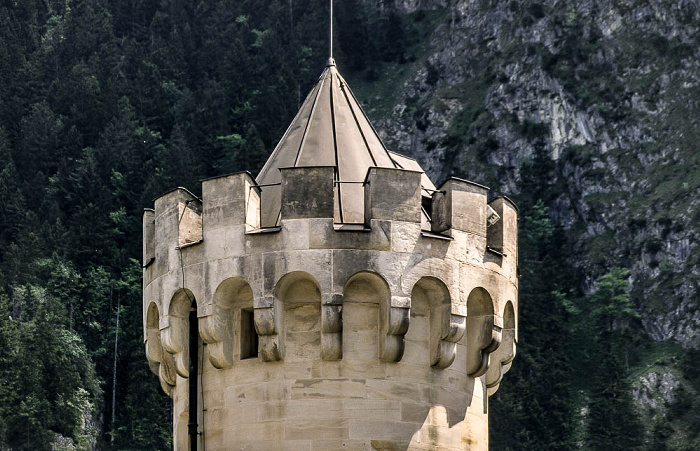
[105, 105]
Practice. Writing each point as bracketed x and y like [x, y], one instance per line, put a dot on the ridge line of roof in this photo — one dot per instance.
[381, 141]
[335, 142]
[302, 141]
[345, 88]
[402, 155]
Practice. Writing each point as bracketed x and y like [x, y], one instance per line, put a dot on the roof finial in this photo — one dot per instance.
[331, 61]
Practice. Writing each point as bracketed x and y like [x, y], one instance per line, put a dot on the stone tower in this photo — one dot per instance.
[338, 302]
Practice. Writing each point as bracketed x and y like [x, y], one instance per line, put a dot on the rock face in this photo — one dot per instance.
[609, 92]
[655, 389]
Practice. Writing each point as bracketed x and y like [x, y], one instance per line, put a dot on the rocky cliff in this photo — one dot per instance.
[609, 91]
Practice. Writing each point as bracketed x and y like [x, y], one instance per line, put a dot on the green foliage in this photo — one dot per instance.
[612, 422]
[545, 419]
[50, 382]
[611, 300]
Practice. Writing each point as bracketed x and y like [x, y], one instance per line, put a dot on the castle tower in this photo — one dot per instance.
[338, 302]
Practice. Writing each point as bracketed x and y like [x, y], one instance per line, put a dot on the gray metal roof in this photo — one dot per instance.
[330, 129]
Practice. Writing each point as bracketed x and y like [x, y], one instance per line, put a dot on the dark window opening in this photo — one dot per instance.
[427, 206]
[249, 337]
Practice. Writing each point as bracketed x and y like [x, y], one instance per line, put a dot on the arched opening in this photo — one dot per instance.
[430, 324]
[509, 317]
[481, 340]
[300, 297]
[508, 337]
[366, 299]
[184, 343]
[239, 339]
[154, 350]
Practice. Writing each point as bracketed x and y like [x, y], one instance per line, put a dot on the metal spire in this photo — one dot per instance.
[331, 61]
[331, 40]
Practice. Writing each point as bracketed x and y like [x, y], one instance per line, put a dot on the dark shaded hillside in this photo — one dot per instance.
[585, 112]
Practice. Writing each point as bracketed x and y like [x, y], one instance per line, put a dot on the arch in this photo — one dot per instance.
[298, 300]
[503, 357]
[482, 338]
[440, 329]
[300, 291]
[175, 334]
[297, 286]
[226, 324]
[181, 338]
[181, 303]
[363, 283]
[160, 362]
[233, 291]
[509, 316]
[375, 329]
[479, 302]
[236, 296]
[434, 268]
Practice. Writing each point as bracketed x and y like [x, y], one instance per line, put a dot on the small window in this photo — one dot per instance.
[426, 212]
[249, 337]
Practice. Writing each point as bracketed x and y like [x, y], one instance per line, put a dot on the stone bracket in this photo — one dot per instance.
[331, 332]
[502, 358]
[216, 330]
[266, 325]
[175, 340]
[482, 340]
[447, 343]
[161, 363]
[396, 326]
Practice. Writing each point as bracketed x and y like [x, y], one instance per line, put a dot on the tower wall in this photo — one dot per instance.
[317, 336]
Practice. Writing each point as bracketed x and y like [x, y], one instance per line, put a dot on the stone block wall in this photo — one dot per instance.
[319, 337]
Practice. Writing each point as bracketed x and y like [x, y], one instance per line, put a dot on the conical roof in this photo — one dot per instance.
[330, 129]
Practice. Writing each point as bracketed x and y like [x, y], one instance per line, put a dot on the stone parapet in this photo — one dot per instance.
[461, 205]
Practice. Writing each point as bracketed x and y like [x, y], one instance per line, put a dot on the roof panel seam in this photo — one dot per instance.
[308, 121]
[370, 124]
[343, 87]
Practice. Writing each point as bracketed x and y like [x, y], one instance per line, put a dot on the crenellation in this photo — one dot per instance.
[231, 200]
[149, 236]
[307, 192]
[461, 205]
[170, 234]
[503, 234]
[392, 194]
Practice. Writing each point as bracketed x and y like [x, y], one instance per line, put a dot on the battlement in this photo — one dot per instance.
[386, 194]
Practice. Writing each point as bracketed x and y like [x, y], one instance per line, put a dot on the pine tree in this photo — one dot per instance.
[544, 419]
[612, 420]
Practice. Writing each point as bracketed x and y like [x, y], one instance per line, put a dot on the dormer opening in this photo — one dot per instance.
[426, 207]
